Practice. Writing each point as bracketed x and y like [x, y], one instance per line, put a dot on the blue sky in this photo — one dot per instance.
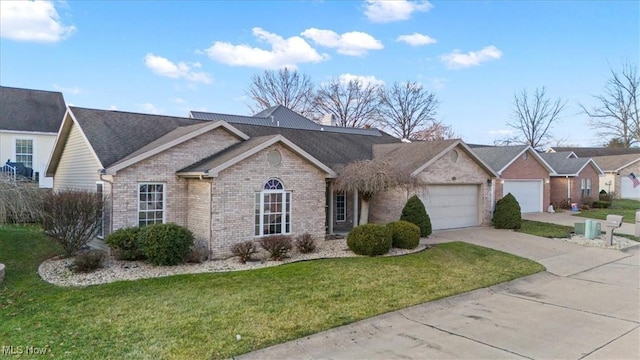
[169, 57]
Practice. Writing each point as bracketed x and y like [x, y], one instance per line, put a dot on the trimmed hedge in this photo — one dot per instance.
[507, 214]
[415, 213]
[601, 204]
[370, 240]
[165, 244]
[124, 243]
[404, 234]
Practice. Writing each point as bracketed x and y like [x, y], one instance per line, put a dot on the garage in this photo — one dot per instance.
[528, 194]
[452, 206]
[627, 190]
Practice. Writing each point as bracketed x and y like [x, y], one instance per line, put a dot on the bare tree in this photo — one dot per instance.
[368, 177]
[436, 131]
[407, 108]
[352, 104]
[534, 116]
[20, 202]
[285, 87]
[616, 116]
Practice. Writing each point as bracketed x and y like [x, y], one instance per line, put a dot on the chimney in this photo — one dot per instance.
[328, 120]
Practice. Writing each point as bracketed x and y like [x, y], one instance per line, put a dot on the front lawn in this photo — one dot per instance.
[624, 207]
[199, 316]
[543, 229]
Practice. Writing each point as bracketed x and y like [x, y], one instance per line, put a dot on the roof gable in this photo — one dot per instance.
[615, 163]
[501, 157]
[595, 151]
[568, 166]
[31, 110]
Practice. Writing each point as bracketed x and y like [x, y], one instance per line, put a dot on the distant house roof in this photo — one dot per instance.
[568, 166]
[500, 157]
[281, 116]
[31, 110]
[594, 151]
[412, 158]
[615, 163]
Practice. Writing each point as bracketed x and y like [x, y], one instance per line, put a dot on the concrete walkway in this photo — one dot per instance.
[585, 306]
[567, 218]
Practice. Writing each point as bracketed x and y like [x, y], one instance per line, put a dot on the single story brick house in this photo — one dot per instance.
[574, 178]
[233, 178]
[522, 172]
[617, 177]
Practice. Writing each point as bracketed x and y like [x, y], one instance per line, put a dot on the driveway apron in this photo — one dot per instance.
[585, 306]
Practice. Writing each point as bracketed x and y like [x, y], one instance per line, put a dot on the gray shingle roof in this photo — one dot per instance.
[498, 156]
[282, 117]
[408, 157]
[31, 110]
[115, 134]
[614, 163]
[596, 151]
[226, 154]
[565, 166]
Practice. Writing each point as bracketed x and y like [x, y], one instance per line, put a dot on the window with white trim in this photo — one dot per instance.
[588, 187]
[100, 193]
[24, 152]
[341, 207]
[151, 203]
[272, 209]
[583, 187]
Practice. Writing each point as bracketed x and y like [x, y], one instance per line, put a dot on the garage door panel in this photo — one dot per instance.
[528, 194]
[451, 206]
[627, 191]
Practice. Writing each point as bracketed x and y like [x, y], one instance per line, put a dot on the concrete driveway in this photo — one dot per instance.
[585, 306]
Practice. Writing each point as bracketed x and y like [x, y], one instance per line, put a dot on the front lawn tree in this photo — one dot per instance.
[616, 116]
[367, 177]
[437, 130]
[534, 116]
[407, 108]
[285, 87]
[353, 103]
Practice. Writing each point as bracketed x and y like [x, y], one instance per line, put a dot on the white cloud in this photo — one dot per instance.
[393, 10]
[364, 79]
[178, 100]
[354, 43]
[284, 52]
[417, 39]
[149, 108]
[458, 60]
[113, 108]
[503, 132]
[32, 21]
[164, 67]
[67, 90]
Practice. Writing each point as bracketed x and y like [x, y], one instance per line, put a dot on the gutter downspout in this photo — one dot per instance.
[330, 213]
[568, 189]
[355, 209]
[102, 173]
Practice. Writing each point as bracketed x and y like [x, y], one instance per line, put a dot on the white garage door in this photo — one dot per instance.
[627, 191]
[451, 206]
[528, 194]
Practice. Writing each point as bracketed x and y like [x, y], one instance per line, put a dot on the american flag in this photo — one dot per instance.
[635, 180]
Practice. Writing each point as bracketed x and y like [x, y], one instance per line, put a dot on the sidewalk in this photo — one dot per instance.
[567, 218]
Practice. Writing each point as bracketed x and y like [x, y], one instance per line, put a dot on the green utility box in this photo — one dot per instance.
[579, 228]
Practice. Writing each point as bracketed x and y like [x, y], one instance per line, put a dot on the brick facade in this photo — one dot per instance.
[560, 190]
[388, 206]
[526, 168]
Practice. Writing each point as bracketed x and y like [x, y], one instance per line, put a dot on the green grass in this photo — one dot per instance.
[543, 229]
[198, 316]
[625, 207]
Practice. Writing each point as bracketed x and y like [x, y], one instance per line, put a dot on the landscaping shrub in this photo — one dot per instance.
[124, 243]
[507, 214]
[562, 204]
[600, 204]
[370, 239]
[165, 244]
[305, 243]
[278, 246]
[243, 250]
[404, 234]
[587, 202]
[199, 252]
[603, 196]
[415, 213]
[72, 217]
[87, 261]
[20, 202]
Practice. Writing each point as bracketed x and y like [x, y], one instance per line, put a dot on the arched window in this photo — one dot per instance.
[272, 209]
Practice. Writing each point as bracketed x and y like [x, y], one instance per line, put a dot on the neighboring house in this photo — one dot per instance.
[452, 182]
[29, 123]
[589, 152]
[522, 172]
[574, 179]
[231, 182]
[617, 177]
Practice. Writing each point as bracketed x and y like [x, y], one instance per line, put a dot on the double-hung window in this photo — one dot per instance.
[151, 203]
[272, 209]
[341, 207]
[588, 187]
[583, 187]
[24, 152]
